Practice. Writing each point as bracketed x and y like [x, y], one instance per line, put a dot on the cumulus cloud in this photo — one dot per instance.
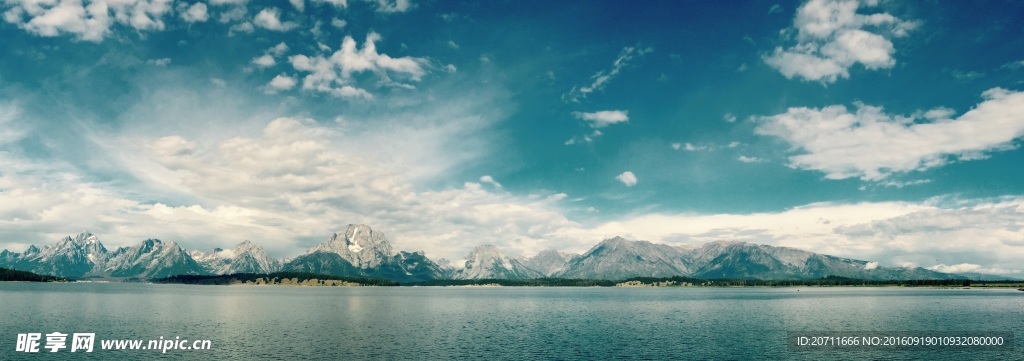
[871, 144]
[603, 118]
[267, 59]
[299, 5]
[333, 74]
[270, 19]
[90, 21]
[280, 83]
[871, 265]
[601, 78]
[832, 36]
[627, 178]
[264, 61]
[196, 13]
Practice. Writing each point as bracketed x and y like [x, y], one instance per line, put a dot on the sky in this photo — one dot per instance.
[878, 130]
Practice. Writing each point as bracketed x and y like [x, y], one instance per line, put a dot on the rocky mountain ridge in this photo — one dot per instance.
[359, 251]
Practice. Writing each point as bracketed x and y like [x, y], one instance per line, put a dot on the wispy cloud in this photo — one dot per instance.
[603, 118]
[601, 78]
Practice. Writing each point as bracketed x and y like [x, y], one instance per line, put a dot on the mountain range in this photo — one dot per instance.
[360, 251]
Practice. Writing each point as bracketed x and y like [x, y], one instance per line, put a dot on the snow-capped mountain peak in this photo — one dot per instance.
[491, 262]
[246, 257]
[359, 245]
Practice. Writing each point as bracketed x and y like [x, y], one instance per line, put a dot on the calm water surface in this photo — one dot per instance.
[390, 323]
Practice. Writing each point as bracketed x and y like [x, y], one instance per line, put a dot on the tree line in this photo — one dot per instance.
[9, 275]
[272, 278]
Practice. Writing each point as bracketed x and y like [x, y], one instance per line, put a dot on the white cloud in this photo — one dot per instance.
[1013, 65]
[281, 82]
[603, 118]
[88, 22]
[270, 19]
[393, 6]
[746, 159]
[380, 6]
[299, 5]
[295, 181]
[196, 13]
[898, 184]
[729, 118]
[335, 3]
[490, 180]
[677, 146]
[871, 144]
[627, 178]
[586, 138]
[278, 50]
[333, 74]
[264, 61]
[267, 59]
[245, 27]
[871, 265]
[831, 37]
[338, 23]
[601, 78]
[159, 62]
[453, 45]
[970, 267]
[694, 148]
[228, 2]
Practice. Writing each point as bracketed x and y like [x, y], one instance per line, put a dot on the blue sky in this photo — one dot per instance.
[878, 130]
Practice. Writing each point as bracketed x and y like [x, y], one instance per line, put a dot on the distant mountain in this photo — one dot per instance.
[987, 277]
[151, 258]
[618, 258]
[549, 262]
[747, 260]
[246, 257]
[359, 251]
[491, 262]
[69, 257]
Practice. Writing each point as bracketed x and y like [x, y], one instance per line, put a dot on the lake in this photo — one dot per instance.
[437, 323]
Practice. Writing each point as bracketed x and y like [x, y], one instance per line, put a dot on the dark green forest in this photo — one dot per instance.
[7, 275]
